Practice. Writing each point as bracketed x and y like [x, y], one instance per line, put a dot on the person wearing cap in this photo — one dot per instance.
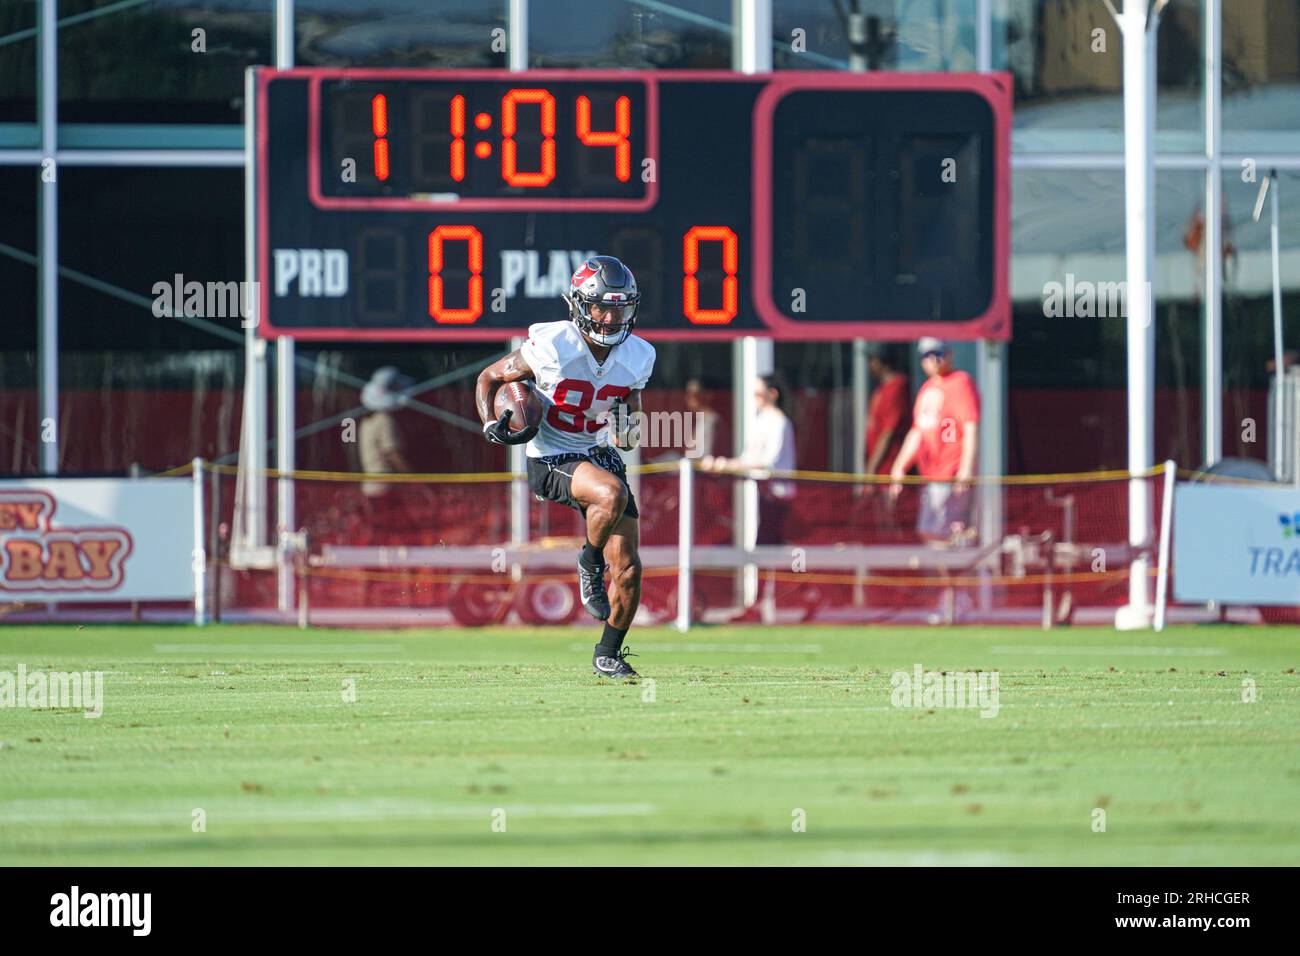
[379, 438]
[942, 443]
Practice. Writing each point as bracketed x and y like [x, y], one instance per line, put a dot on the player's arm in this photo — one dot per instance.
[906, 455]
[512, 368]
[970, 440]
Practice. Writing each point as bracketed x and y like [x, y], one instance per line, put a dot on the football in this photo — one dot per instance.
[524, 405]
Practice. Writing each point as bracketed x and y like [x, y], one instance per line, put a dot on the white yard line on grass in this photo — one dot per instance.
[1103, 650]
[228, 649]
[720, 648]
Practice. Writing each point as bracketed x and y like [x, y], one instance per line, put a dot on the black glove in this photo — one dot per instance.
[498, 432]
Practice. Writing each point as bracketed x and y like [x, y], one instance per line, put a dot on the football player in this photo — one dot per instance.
[586, 370]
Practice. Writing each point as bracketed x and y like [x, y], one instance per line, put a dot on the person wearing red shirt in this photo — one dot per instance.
[888, 414]
[942, 442]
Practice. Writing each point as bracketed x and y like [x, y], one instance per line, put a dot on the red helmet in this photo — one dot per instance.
[606, 282]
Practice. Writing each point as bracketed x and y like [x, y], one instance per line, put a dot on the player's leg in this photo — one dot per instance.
[621, 554]
[624, 560]
[602, 497]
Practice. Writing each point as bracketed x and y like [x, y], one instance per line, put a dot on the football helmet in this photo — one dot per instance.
[605, 282]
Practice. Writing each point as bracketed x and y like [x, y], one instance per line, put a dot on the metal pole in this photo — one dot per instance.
[754, 353]
[990, 362]
[199, 554]
[286, 387]
[685, 534]
[984, 35]
[48, 245]
[1282, 454]
[1212, 399]
[1166, 529]
[861, 392]
[755, 36]
[284, 20]
[517, 27]
[519, 493]
[286, 463]
[1139, 32]
[253, 440]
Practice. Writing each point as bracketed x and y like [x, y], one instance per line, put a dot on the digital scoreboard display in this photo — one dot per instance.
[428, 205]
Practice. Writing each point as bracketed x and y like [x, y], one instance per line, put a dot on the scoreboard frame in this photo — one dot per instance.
[995, 88]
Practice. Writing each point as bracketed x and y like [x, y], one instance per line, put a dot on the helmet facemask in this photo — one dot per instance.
[612, 323]
[603, 300]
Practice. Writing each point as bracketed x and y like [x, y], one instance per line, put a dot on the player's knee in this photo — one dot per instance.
[612, 496]
[628, 574]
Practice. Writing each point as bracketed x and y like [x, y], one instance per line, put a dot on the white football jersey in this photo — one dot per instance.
[575, 390]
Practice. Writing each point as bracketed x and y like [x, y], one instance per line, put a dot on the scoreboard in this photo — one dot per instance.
[444, 205]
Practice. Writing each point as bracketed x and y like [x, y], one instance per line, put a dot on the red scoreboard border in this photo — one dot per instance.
[994, 323]
[321, 201]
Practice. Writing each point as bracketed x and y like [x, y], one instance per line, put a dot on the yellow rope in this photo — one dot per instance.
[940, 580]
[659, 468]
[416, 575]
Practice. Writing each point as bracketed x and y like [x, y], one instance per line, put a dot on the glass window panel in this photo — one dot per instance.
[130, 61]
[18, 61]
[19, 411]
[1261, 75]
[1248, 303]
[916, 35]
[1067, 368]
[400, 33]
[136, 388]
[1067, 59]
[630, 34]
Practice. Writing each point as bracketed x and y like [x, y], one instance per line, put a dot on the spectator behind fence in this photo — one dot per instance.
[379, 437]
[770, 447]
[942, 442]
[704, 422]
[888, 415]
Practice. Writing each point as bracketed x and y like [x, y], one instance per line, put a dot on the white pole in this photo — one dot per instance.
[285, 377]
[253, 439]
[284, 19]
[685, 534]
[48, 247]
[755, 36]
[200, 555]
[1212, 399]
[1139, 174]
[519, 493]
[858, 417]
[286, 463]
[517, 28]
[1166, 529]
[1279, 373]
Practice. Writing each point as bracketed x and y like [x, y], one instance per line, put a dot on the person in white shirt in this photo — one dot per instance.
[768, 447]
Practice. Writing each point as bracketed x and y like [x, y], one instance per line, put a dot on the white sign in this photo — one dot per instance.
[1237, 544]
[97, 539]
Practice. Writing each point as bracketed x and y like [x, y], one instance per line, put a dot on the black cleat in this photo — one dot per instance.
[591, 586]
[615, 668]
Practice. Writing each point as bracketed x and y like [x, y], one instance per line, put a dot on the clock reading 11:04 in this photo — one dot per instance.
[492, 144]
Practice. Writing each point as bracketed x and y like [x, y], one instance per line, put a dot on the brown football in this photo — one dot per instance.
[524, 405]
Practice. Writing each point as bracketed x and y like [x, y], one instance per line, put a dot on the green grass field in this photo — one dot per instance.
[746, 726]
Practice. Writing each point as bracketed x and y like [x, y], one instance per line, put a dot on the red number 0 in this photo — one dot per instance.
[691, 265]
[586, 391]
[474, 309]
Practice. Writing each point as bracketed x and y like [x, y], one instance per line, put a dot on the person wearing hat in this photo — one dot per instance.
[942, 442]
[379, 439]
